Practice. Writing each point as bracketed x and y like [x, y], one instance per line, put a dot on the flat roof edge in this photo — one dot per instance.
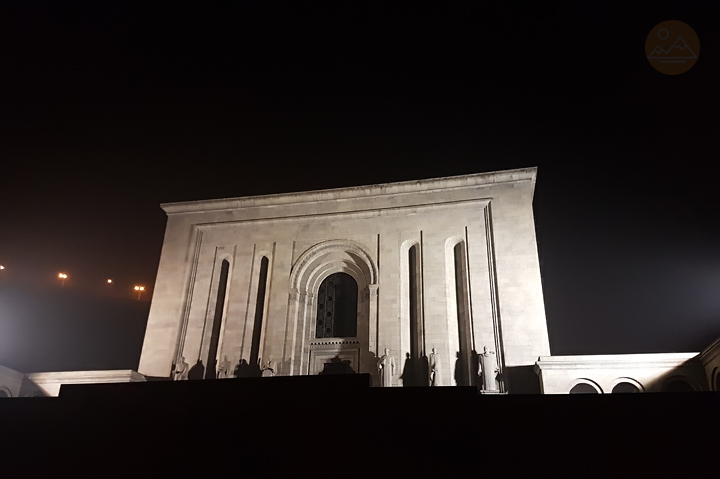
[477, 179]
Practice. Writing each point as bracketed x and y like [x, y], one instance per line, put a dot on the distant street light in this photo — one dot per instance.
[2, 267]
[140, 290]
[63, 277]
[109, 281]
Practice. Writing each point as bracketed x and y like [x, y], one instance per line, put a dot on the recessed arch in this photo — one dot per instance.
[345, 253]
[217, 319]
[323, 270]
[309, 271]
[5, 392]
[460, 337]
[715, 378]
[260, 306]
[679, 383]
[626, 385]
[584, 386]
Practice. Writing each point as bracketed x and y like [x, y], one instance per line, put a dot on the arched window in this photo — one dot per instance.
[625, 387]
[259, 311]
[583, 388]
[337, 307]
[217, 321]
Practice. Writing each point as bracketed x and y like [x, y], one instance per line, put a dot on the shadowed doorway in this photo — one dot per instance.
[337, 307]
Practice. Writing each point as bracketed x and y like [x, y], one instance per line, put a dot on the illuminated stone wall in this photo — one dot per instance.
[604, 374]
[365, 232]
[10, 382]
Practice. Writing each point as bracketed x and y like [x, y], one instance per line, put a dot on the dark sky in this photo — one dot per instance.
[109, 109]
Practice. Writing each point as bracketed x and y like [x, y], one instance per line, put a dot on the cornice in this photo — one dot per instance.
[122, 375]
[355, 214]
[615, 361]
[356, 192]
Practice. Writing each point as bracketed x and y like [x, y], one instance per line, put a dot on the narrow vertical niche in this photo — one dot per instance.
[217, 321]
[259, 311]
[414, 303]
[415, 372]
[462, 366]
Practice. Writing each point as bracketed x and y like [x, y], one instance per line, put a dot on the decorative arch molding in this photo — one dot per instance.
[299, 272]
[632, 381]
[715, 378]
[589, 382]
[228, 256]
[452, 241]
[6, 391]
[322, 271]
[309, 270]
[407, 244]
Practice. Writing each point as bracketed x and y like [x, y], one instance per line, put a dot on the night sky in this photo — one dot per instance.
[109, 109]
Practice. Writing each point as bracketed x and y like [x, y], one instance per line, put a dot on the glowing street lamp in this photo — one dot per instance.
[2, 267]
[63, 277]
[140, 290]
[109, 281]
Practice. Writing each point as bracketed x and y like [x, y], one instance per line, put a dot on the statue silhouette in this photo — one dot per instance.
[197, 371]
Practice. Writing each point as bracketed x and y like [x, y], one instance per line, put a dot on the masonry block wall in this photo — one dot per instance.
[476, 278]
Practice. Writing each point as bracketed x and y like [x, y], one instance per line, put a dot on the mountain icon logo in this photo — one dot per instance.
[672, 47]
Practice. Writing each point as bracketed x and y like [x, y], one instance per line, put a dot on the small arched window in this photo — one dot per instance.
[583, 388]
[625, 387]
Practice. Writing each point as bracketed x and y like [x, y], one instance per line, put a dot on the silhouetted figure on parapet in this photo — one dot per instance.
[211, 374]
[197, 371]
[409, 374]
[242, 370]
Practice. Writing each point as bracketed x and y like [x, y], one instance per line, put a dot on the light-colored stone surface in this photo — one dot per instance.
[50, 383]
[10, 382]
[365, 232]
[648, 372]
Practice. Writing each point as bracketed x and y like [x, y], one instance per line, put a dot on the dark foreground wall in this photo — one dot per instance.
[337, 426]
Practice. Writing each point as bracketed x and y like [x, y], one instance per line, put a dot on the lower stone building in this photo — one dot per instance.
[437, 280]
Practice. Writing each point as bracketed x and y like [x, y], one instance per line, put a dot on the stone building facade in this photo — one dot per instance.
[449, 264]
[308, 282]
